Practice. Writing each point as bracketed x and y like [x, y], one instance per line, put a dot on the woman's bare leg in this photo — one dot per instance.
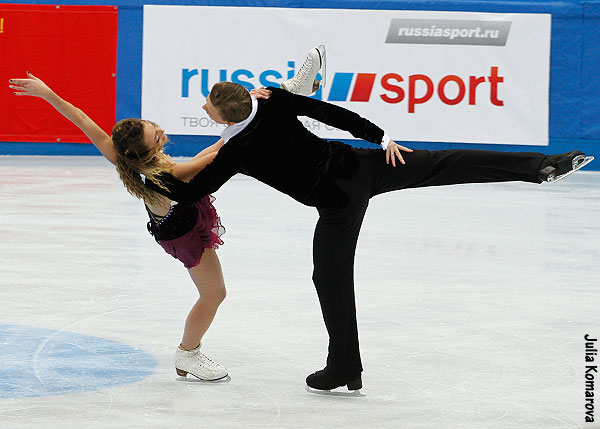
[208, 278]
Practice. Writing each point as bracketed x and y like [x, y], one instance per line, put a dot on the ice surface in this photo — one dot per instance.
[473, 302]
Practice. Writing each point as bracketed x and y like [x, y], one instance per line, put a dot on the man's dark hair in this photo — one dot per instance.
[231, 100]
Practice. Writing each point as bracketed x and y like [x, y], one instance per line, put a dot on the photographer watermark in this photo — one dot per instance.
[591, 370]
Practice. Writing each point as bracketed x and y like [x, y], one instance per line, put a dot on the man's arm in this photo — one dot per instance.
[343, 119]
[331, 114]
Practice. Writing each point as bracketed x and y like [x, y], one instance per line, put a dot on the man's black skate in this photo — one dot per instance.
[321, 380]
[557, 167]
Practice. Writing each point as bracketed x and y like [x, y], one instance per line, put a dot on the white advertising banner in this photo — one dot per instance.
[421, 76]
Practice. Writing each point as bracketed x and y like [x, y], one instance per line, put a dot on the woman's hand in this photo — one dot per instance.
[32, 87]
[393, 151]
[260, 93]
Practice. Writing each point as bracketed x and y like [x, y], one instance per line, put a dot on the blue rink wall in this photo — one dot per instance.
[574, 70]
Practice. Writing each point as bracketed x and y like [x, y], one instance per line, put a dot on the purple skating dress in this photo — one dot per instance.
[186, 231]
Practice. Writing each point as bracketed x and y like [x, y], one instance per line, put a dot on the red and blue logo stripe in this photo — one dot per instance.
[340, 87]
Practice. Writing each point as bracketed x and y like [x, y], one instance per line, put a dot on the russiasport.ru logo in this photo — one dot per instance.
[448, 32]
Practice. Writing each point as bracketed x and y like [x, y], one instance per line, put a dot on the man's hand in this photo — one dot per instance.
[32, 87]
[394, 151]
[260, 93]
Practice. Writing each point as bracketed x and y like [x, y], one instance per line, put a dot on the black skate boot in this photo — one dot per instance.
[321, 380]
[557, 167]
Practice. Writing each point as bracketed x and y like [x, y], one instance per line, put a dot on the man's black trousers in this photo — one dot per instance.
[337, 229]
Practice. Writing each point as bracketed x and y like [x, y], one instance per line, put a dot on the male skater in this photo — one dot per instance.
[266, 140]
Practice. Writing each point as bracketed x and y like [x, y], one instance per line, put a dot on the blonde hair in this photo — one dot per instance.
[135, 159]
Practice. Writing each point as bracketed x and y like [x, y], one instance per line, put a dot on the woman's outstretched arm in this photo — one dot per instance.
[185, 171]
[210, 149]
[32, 86]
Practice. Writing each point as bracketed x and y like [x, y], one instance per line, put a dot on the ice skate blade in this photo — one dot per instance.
[323, 58]
[580, 165]
[348, 393]
[323, 55]
[194, 379]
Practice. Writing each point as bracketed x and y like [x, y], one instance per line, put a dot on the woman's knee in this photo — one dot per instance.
[220, 295]
[214, 296]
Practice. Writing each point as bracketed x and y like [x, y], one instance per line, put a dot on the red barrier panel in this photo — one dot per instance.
[71, 48]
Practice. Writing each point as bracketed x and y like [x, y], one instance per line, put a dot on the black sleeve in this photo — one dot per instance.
[205, 182]
[330, 114]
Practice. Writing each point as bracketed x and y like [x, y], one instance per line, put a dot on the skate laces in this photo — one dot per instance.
[207, 361]
[303, 73]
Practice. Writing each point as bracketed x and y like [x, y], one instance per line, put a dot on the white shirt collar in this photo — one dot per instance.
[233, 130]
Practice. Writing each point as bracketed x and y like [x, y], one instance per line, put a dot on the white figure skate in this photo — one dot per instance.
[304, 82]
[197, 364]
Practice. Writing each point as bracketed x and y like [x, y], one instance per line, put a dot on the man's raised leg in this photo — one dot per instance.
[449, 167]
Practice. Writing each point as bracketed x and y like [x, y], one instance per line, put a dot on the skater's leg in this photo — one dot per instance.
[449, 167]
[334, 246]
[208, 278]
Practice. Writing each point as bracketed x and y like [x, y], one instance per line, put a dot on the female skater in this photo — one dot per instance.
[189, 233]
